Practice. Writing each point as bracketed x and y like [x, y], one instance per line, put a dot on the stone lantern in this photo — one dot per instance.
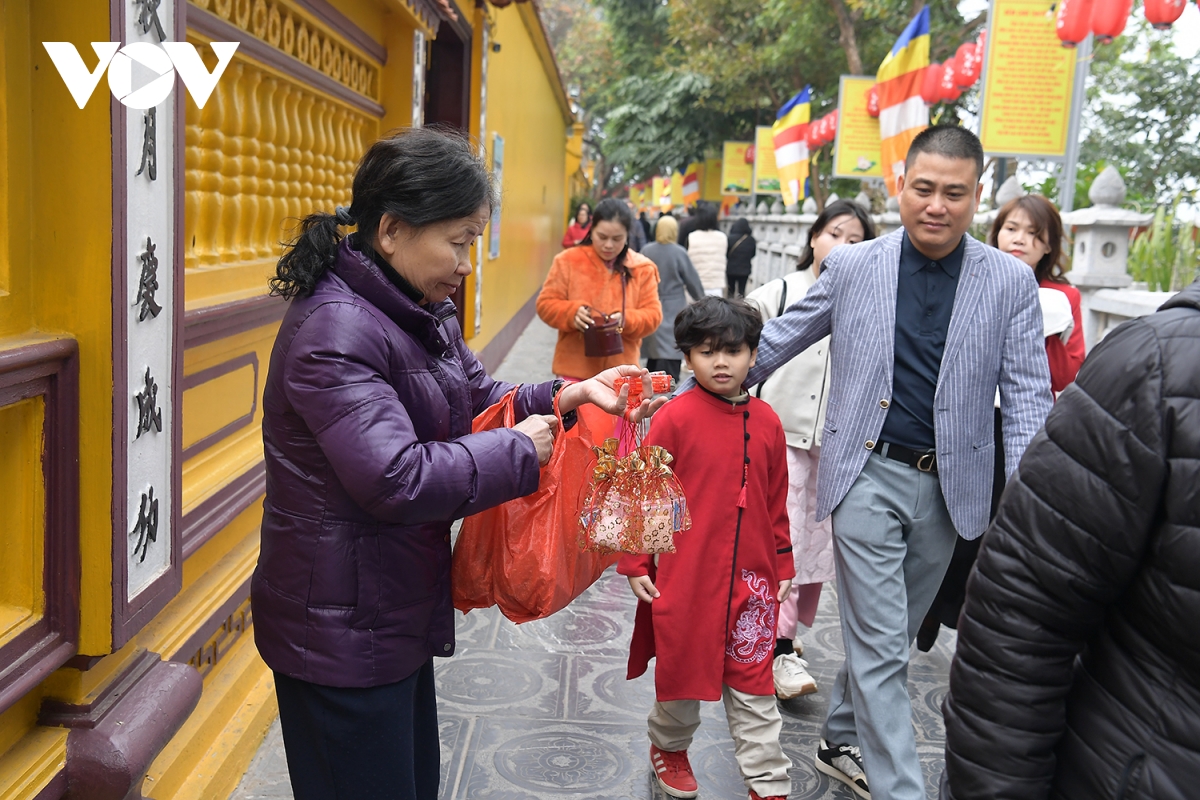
[1101, 252]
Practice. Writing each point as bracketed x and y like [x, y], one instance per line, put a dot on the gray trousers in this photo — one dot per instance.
[754, 724]
[892, 542]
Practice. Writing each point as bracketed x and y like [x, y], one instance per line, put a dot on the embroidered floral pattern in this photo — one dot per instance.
[754, 635]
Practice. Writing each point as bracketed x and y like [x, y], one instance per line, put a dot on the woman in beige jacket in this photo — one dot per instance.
[706, 247]
[797, 392]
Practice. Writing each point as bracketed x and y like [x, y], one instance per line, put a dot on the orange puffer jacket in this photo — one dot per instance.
[579, 278]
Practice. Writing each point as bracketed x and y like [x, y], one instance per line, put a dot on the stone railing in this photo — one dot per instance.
[1101, 236]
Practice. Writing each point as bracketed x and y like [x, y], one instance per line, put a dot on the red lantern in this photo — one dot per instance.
[967, 63]
[1108, 19]
[823, 131]
[833, 123]
[1163, 13]
[873, 102]
[931, 81]
[981, 43]
[811, 138]
[947, 89]
[1074, 21]
[750, 154]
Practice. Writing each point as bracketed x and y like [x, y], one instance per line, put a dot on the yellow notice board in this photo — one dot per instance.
[656, 190]
[856, 154]
[766, 174]
[677, 188]
[711, 184]
[736, 174]
[1028, 80]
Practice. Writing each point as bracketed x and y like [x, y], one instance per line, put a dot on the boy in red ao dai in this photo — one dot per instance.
[708, 611]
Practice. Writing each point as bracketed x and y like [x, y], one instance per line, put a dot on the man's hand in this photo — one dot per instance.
[785, 588]
[583, 318]
[541, 429]
[643, 588]
[599, 391]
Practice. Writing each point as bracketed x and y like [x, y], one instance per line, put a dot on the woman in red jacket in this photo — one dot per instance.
[577, 231]
[1030, 228]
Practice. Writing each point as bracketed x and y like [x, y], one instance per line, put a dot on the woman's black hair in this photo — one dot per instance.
[582, 203]
[706, 217]
[610, 209]
[725, 324]
[838, 208]
[421, 176]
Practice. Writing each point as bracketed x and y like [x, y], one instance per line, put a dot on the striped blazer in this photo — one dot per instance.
[994, 340]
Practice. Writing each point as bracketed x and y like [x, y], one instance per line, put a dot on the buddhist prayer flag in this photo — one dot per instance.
[676, 188]
[691, 184]
[902, 112]
[791, 149]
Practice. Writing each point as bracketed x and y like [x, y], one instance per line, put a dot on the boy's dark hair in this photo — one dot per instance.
[725, 324]
[950, 141]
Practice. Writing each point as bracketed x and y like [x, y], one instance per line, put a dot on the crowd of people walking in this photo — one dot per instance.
[856, 420]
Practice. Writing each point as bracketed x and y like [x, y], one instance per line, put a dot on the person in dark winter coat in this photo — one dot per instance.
[1077, 673]
[368, 405]
[738, 257]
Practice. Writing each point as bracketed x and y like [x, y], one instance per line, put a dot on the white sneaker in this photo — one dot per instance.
[791, 677]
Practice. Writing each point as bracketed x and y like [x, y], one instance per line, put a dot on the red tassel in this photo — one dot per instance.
[742, 497]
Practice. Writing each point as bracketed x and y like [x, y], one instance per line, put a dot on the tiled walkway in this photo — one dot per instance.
[543, 710]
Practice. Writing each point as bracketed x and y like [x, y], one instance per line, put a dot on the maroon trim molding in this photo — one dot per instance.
[209, 24]
[114, 739]
[210, 323]
[49, 370]
[219, 510]
[494, 351]
[212, 373]
[214, 638]
[335, 19]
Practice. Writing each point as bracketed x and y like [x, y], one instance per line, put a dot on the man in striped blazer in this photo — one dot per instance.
[926, 324]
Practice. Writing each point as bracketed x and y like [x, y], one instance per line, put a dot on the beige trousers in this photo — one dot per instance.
[754, 724]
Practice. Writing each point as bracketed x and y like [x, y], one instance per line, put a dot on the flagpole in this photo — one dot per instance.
[1066, 187]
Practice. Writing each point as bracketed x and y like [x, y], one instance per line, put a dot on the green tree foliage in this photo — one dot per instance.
[666, 81]
[1143, 116]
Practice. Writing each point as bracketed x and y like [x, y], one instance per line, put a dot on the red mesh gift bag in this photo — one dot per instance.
[524, 555]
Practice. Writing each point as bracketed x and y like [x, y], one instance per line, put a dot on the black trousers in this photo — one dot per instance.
[668, 365]
[735, 285]
[343, 744]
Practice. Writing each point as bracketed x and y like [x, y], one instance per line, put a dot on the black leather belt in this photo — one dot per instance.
[923, 460]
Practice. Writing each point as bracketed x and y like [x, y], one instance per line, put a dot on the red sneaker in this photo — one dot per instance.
[674, 772]
[754, 796]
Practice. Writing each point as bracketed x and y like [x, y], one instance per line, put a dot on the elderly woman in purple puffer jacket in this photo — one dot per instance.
[369, 455]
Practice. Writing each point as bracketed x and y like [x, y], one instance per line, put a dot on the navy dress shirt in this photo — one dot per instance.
[924, 301]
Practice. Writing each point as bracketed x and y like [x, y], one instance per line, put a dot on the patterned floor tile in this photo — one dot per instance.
[526, 760]
[493, 681]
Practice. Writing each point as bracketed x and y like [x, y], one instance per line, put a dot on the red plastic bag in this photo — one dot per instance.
[524, 555]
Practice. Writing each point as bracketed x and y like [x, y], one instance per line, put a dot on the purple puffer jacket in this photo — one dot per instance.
[370, 456]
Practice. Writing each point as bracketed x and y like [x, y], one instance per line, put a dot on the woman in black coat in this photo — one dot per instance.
[1077, 673]
[738, 257]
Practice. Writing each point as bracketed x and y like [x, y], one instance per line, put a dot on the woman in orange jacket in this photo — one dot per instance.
[600, 275]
